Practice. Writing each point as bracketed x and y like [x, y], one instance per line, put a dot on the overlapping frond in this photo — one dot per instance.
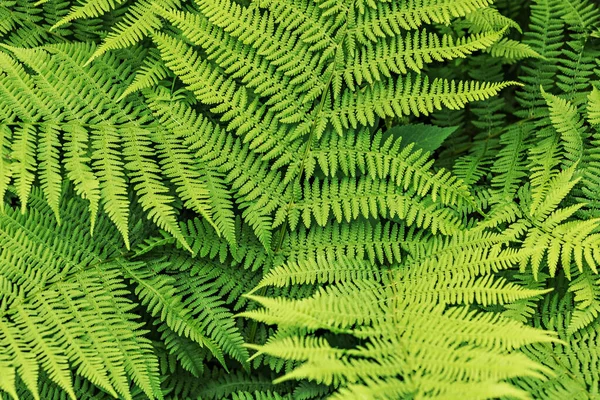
[566, 121]
[281, 149]
[387, 19]
[544, 36]
[398, 333]
[382, 157]
[347, 199]
[361, 240]
[575, 362]
[551, 233]
[258, 190]
[510, 166]
[593, 108]
[69, 289]
[78, 288]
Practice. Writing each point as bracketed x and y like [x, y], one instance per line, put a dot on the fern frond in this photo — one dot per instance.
[570, 241]
[23, 166]
[140, 21]
[388, 19]
[87, 184]
[307, 20]
[512, 50]
[284, 51]
[147, 76]
[359, 240]
[555, 191]
[69, 291]
[310, 272]
[49, 167]
[575, 69]
[244, 114]
[544, 157]
[256, 70]
[575, 363]
[88, 9]
[189, 354]
[113, 187]
[466, 290]
[145, 174]
[582, 15]
[207, 306]
[587, 301]
[402, 340]
[544, 36]
[259, 191]
[408, 96]
[160, 295]
[178, 165]
[377, 61]
[567, 122]
[593, 108]
[383, 157]
[347, 199]
[510, 166]
[489, 19]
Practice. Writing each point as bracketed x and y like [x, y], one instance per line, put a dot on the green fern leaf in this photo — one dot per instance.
[408, 96]
[594, 107]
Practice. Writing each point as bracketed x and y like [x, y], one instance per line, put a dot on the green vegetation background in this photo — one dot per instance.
[299, 199]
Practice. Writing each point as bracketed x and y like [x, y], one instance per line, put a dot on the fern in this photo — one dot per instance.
[299, 199]
[352, 287]
[575, 375]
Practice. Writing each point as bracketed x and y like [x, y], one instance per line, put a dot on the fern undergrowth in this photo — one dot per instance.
[299, 199]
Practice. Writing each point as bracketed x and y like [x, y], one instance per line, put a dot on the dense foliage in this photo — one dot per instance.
[299, 199]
